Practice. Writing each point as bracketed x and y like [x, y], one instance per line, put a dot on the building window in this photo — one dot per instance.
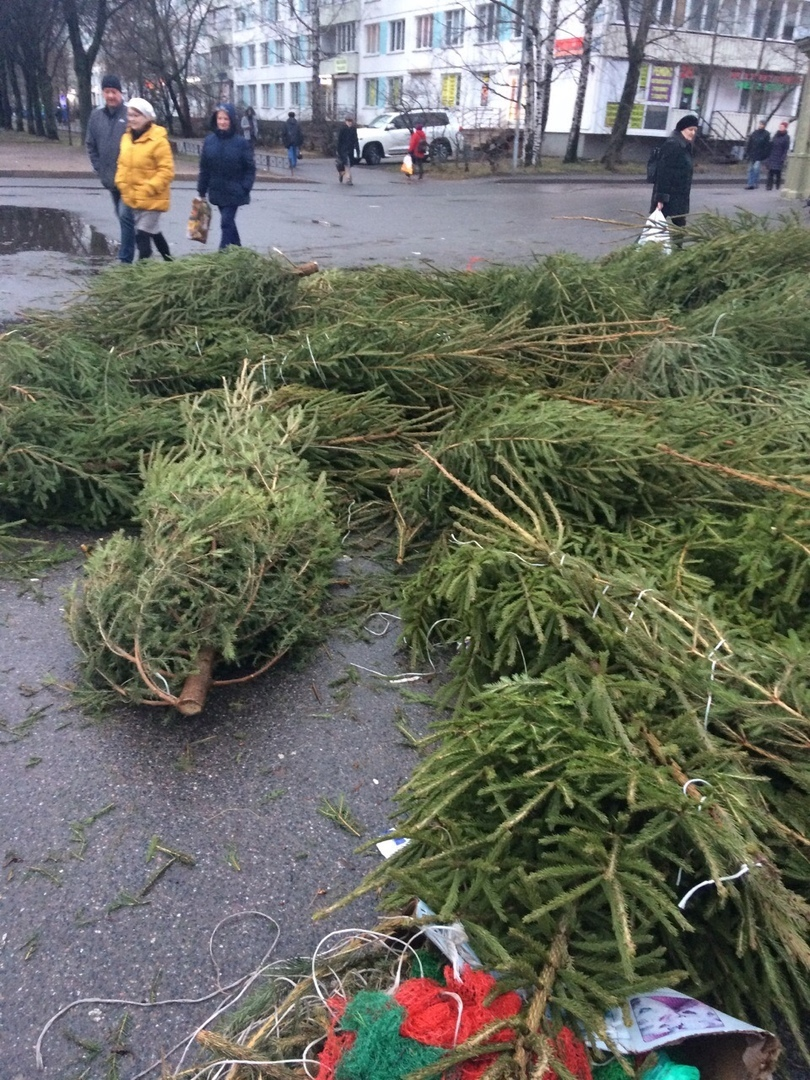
[308, 95]
[220, 57]
[454, 26]
[295, 93]
[346, 37]
[266, 53]
[372, 95]
[451, 90]
[300, 50]
[396, 35]
[252, 97]
[373, 38]
[424, 31]
[486, 23]
[515, 15]
[485, 78]
[267, 97]
[270, 10]
[248, 56]
[395, 86]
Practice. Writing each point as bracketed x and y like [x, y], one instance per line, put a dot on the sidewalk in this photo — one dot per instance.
[22, 155]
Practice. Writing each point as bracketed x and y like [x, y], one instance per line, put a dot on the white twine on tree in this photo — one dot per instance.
[635, 605]
[719, 645]
[697, 780]
[744, 869]
[595, 611]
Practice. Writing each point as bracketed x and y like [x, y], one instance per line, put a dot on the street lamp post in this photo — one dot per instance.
[797, 175]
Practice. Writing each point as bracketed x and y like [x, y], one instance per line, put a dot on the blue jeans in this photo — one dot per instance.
[230, 234]
[753, 173]
[292, 156]
[126, 250]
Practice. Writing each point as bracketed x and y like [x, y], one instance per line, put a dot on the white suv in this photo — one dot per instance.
[388, 135]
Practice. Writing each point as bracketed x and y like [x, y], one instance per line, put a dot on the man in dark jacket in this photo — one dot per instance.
[348, 150]
[227, 171]
[756, 151]
[293, 138]
[673, 177]
[780, 144]
[104, 130]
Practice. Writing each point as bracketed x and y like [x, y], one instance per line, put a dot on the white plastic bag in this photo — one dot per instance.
[407, 165]
[656, 231]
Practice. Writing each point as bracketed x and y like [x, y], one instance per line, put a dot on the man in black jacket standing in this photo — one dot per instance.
[348, 150]
[756, 151]
[293, 139]
[673, 176]
[104, 130]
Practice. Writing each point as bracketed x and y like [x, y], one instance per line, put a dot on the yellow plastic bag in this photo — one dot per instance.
[407, 165]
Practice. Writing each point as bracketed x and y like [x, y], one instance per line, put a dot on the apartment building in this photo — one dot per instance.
[731, 61]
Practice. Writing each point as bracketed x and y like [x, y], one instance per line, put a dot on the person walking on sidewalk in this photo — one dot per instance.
[250, 125]
[104, 130]
[757, 150]
[780, 144]
[673, 176]
[293, 138]
[144, 174]
[227, 172]
[348, 150]
[418, 149]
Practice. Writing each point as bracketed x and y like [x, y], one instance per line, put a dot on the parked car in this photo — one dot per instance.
[387, 135]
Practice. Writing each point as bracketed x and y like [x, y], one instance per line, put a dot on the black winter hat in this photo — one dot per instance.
[112, 82]
[687, 121]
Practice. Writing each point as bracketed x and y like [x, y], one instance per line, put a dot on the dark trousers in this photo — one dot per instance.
[144, 241]
[126, 250]
[774, 179]
[230, 233]
[418, 167]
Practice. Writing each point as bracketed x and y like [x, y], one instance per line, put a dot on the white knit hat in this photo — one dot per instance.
[142, 106]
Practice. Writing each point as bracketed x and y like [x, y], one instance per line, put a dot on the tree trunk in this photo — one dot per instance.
[635, 58]
[572, 149]
[195, 689]
[49, 107]
[548, 62]
[532, 116]
[5, 100]
[17, 95]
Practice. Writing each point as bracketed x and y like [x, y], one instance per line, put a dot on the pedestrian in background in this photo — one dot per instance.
[348, 150]
[144, 174]
[250, 125]
[418, 149]
[293, 138]
[780, 144]
[757, 150]
[227, 172]
[104, 130]
[673, 176]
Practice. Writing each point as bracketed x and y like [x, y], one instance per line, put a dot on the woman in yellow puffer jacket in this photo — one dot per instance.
[145, 171]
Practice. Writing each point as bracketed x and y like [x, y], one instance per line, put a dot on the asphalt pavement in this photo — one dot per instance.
[90, 810]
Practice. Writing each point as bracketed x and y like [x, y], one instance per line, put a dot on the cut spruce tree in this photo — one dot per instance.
[230, 567]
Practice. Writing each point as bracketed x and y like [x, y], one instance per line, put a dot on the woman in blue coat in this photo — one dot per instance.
[227, 171]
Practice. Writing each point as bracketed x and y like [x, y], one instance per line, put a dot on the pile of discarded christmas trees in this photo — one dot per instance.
[597, 475]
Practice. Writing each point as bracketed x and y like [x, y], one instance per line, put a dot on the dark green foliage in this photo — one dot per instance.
[145, 301]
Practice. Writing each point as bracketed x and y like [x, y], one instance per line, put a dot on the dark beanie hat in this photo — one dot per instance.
[687, 121]
[111, 82]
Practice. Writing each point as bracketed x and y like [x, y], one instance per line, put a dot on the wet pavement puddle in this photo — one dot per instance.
[35, 228]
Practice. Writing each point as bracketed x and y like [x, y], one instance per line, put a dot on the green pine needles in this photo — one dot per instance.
[232, 562]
